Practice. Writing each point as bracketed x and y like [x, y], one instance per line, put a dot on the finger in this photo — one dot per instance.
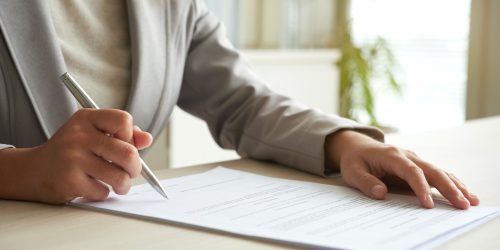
[473, 199]
[93, 190]
[114, 122]
[359, 177]
[119, 152]
[447, 188]
[108, 173]
[442, 182]
[407, 170]
[142, 139]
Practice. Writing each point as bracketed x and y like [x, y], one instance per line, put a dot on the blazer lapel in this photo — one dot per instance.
[28, 29]
[32, 41]
[149, 62]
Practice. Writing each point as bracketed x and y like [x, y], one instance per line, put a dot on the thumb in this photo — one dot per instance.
[367, 183]
[142, 139]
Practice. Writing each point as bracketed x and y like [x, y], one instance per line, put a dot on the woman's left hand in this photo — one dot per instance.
[364, 163]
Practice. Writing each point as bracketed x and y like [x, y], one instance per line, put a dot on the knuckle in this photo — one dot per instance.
[440, 173]
[393, 150]
[102, 142]
[413, 171]
[122, 179]
[129, 153]
[78, 133]
[437, 177]
[71, 157]
[136, 171]
[124, 118]
[122, 183]
[363, 180]
[80, 112]
[376, 171]
[364, 177]
[411, 153]
[83, 112]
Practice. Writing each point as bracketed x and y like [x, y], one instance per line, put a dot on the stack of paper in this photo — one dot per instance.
[296, 212]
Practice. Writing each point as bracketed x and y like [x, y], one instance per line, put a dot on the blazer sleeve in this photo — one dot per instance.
[243, 114]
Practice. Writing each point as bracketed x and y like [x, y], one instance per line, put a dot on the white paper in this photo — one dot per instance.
[296, 212]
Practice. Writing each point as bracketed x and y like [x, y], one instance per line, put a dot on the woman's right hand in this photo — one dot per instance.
[93, 147]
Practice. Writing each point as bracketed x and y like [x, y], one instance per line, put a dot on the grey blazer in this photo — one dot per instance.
[180, 56]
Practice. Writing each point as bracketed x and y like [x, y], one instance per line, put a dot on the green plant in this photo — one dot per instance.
[360, 67]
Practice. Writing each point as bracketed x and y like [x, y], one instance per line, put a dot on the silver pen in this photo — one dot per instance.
[84, 99]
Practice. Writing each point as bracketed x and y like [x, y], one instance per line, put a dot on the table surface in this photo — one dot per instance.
[471, 151]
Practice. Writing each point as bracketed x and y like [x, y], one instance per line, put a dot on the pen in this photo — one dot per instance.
[84, 99]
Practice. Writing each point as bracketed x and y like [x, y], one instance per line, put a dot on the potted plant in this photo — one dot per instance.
[360, 67]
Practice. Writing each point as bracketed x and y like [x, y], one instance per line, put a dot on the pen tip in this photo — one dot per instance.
[162, 191]
[164, 195]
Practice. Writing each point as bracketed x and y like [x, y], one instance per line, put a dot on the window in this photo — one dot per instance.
[429, 39]
[430, 42]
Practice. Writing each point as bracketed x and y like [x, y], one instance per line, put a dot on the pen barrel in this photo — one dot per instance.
[78, 92]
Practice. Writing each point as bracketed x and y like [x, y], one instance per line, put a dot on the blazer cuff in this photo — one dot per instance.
[4, 146]
[300, 145]
[317, 138]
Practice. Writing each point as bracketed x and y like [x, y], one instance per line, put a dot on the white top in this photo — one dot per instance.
[95, 42]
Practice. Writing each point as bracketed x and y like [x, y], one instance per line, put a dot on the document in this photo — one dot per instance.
[296, 212]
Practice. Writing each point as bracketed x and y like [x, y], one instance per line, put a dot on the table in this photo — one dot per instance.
[471, 151]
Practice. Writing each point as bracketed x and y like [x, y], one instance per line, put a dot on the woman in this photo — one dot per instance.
[139, 59]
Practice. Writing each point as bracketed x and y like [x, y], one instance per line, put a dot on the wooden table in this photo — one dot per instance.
[471, 151]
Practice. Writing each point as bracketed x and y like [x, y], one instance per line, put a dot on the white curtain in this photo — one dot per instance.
[483, 86]
[277, 23]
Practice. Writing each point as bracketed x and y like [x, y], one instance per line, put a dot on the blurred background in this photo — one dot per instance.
[405, 66]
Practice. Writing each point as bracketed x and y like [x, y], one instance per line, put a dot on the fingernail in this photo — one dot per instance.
[137, 127]
[430, 200]
[462, 198]
[378, 191]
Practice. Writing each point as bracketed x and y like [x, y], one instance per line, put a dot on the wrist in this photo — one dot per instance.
[338, 144]
[14, 174]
